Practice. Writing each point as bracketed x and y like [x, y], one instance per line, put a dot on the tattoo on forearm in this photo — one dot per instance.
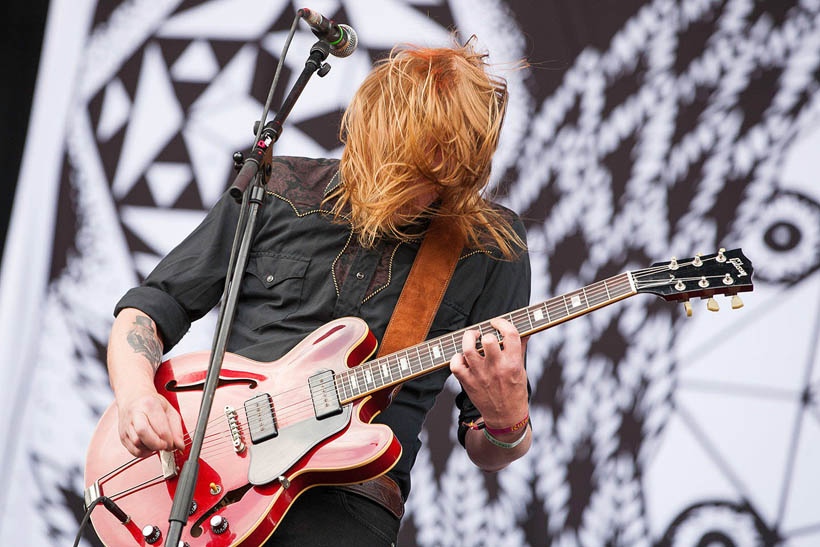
[144, 340]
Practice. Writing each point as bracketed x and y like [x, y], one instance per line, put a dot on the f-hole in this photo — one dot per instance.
[200, 386]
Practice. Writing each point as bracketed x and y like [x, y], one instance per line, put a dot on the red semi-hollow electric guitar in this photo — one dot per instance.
[277, 429]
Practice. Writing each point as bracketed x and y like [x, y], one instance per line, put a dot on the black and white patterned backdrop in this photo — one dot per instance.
[641, 130]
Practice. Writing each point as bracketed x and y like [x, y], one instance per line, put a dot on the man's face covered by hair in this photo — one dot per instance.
[424, 124]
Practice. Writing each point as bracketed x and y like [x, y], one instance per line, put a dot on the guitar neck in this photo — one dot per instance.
[396, 368]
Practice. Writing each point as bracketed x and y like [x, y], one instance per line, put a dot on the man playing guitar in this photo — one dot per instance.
[338, 238]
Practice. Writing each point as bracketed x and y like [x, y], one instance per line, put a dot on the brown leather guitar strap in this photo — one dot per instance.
[424, 289]
[411, 320]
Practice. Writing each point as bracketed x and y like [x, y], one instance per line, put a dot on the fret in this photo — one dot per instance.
[608, 296]
[340, 382]
[418, 361]
[360, 379]
[386, 373]
[584, 292]
[604, 296]
[557, 309]
[452, 347]
[376, 371]
[368, 376]
[395, 367]
[354, 383]
[564, 298]
[423, 353]
[620, 284]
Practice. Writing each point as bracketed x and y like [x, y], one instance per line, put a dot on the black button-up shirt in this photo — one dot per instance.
[306, 269]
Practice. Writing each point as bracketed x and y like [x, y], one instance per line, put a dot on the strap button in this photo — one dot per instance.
[359, 276]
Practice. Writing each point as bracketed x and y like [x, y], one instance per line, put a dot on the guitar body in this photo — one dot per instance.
[340, 449]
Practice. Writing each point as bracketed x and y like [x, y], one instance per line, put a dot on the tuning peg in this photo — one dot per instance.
[737, 303]
[688, 307]
[673, 264]
[697, 262]
[712, 304]
[720, 256]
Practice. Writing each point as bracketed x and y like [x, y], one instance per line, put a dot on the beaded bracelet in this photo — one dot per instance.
[502, 444]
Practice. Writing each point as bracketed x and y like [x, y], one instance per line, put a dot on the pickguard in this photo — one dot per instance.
[272, 458]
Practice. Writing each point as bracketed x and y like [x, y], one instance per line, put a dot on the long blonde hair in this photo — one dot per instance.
[424, 119]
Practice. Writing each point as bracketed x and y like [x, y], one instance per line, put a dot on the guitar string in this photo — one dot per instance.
[219, 449]
[392, 367]
[515, 316]
[525, 313]
[365, 382]
[447, 345]
[521, 314]
[551, 304]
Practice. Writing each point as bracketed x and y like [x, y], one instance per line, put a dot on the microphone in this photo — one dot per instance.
[342, 39]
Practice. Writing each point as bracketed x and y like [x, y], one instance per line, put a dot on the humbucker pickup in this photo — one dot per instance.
[261, 418]
[324, 395]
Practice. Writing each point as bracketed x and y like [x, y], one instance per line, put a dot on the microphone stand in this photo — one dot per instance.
[256, 168]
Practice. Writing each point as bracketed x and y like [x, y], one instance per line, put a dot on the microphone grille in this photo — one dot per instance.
[348, 46]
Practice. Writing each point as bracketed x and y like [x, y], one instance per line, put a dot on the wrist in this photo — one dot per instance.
[133, 387]
[511, 425]
[507, 440]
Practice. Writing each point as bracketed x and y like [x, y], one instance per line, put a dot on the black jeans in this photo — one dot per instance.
[325, 516]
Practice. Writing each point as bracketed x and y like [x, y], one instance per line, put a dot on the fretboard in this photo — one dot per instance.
[433, 354]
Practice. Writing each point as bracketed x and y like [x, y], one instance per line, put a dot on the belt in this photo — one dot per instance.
[383, 490]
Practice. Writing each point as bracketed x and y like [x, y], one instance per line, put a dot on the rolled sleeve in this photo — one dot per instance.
[171, 318]
[188, 282]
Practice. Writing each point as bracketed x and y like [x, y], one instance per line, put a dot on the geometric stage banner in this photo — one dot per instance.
[641, 130]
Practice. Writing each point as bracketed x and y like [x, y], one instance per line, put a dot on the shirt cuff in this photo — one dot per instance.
[171, 319]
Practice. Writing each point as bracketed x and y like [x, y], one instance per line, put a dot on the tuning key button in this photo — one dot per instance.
[703, 281]
[151, 533]
[712, 304]
[697, 262]
[727, 279]
[673, 264]
[688, 307]
[720, 256]
[219, 524]
[737, 303]
[680, 286]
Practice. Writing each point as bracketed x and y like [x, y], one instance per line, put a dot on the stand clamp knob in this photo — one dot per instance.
[238, 161]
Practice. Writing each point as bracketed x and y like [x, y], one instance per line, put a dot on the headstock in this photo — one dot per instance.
[725, 272]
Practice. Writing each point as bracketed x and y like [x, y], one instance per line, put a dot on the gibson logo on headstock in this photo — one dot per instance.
[738, 264]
